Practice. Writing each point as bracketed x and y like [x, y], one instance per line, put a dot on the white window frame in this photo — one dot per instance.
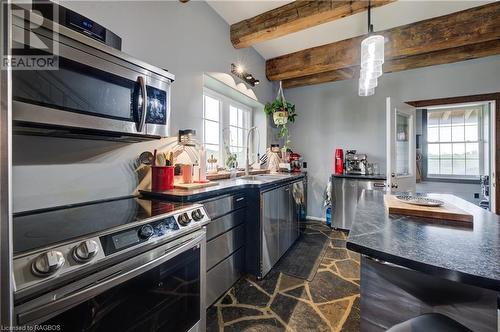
[480, 143]
[224, 118]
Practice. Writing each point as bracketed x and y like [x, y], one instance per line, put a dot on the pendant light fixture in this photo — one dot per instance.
[372, 58]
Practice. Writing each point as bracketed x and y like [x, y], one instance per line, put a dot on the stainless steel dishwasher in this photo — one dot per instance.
[346, 191]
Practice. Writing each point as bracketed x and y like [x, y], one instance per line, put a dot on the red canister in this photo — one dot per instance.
[162, 178]
[339, 161]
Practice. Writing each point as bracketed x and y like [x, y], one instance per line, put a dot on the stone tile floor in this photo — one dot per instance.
[330, 302]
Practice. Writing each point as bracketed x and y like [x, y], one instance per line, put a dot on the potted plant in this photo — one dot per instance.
[282, 112]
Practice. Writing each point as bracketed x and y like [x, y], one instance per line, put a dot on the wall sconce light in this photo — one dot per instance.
[239, 71]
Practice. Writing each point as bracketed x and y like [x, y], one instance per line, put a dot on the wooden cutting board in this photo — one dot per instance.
[446, 212]
[195, 185]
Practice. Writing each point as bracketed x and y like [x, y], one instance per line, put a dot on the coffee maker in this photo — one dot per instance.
[355, 163]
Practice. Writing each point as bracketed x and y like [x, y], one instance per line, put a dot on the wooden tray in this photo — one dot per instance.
[446, 212]
[195, 185]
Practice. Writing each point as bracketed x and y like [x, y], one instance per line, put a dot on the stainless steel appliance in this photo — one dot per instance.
[95, 89]
[121, 265]
[279, 224]
[346, 192]
[355, 163]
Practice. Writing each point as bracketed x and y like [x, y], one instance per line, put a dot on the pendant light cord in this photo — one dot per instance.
[370, 25]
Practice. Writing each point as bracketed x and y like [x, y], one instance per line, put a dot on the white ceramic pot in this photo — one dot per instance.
[280, 118]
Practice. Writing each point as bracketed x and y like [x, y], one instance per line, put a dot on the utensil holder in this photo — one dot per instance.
[162, 178]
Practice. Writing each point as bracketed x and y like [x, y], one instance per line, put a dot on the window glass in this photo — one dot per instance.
[445, 134]
[471, 133]
[212, 107]
[233, 116]
[226, 124]
[238, 125]
[433, 151]
[453, 146]
[472, 167]
[211, 132]
[433, 134]
[433, 166]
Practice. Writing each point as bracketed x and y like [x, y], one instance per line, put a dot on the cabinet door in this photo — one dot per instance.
[270, 229]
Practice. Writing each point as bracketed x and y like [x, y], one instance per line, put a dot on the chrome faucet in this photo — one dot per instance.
[247, 161]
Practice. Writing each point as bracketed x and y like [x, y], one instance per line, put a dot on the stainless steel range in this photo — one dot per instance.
[120, 265]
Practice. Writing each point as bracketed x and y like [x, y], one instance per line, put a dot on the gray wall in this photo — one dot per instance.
[187, 39]
[333, 115]
[463, 190]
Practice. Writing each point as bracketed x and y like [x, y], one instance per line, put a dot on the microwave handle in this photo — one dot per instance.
[142, 120]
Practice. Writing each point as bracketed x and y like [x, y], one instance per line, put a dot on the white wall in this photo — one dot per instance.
[188, 40]
[333, 115]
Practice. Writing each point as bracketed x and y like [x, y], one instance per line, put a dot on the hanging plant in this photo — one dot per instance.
[282, 112]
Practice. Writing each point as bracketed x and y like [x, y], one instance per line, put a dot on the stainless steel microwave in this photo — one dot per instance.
[95, 89]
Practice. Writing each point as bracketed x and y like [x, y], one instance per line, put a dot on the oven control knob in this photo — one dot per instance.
[146, 232]
[47, 263]
[183, 219]
[197, 215]
[85, 251]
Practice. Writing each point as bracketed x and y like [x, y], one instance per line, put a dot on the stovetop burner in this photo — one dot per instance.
[54, 246]
[38, 229]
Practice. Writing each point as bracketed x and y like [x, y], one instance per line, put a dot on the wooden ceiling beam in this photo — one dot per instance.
[293, 17]
[451, 55]
[471, 26]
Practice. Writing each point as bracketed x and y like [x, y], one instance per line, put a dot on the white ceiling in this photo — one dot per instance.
[395, 14]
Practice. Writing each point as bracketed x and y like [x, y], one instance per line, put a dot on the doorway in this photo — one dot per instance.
[455, 147]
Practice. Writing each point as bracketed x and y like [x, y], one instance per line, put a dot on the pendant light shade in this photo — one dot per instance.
[366, 92]
[372, 58]
[372, 50]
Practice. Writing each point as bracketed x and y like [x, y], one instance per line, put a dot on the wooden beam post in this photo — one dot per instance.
[293, 17]
[451, 55]
[460, 29]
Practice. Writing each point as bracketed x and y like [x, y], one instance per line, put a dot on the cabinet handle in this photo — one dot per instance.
[240, 199]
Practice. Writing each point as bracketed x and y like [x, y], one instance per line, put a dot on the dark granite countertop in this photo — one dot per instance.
[360, 177]
[465, 255]
[223, 187]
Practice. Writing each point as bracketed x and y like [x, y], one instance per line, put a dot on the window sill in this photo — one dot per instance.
[451, 180]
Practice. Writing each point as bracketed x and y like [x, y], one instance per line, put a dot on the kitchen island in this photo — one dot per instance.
[411, 266]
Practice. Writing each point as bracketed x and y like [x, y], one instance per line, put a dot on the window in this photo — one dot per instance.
[454, 147]
[211, 126]
[225, 124]
[239, 118]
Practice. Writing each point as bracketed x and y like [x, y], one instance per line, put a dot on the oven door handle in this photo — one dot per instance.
[46, 311]
[144, 94]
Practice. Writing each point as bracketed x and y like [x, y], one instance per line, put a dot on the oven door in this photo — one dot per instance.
[90, 90]
[160, 290]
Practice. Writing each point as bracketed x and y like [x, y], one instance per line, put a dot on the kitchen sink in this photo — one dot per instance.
[263, 177]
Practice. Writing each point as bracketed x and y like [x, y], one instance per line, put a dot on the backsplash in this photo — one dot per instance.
[50, 172]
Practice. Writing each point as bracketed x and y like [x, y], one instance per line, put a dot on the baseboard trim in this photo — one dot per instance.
[315, 218]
